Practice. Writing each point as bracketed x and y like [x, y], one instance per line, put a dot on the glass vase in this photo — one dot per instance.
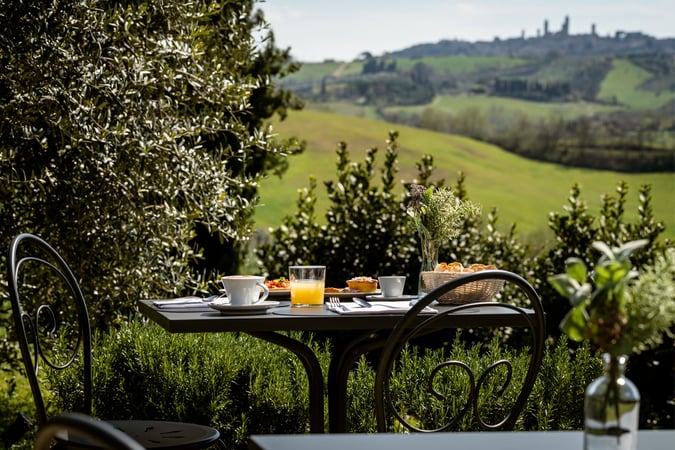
[429, 263]
[611, 408]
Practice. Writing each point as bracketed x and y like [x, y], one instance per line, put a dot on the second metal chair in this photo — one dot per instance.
[442, 409]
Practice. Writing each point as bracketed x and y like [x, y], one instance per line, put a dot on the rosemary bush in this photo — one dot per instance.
[554, 404]
[234, 382]
[243, 385]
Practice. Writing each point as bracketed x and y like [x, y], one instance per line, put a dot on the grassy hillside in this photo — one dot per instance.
[622, 85]
[524, 191]
[457, 103]
[443, 64]
[460, 64]
[316, 71]
[313, 71]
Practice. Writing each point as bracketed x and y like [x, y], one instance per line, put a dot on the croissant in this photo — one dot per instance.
[458, 267]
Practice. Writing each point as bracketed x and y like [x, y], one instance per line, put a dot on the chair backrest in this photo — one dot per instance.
[87, 430]
[50, 317]
[442, 406]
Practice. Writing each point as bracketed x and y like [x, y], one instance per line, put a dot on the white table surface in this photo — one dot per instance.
[535, 440]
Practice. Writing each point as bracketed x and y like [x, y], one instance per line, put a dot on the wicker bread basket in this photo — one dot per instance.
[476, 291]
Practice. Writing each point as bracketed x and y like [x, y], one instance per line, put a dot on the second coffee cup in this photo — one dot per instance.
[392, 286]
[245, 290]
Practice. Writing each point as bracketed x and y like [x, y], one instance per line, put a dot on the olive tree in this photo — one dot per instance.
[126, 127]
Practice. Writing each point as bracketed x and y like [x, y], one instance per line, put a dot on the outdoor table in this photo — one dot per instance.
[502, 440]
[372, 331]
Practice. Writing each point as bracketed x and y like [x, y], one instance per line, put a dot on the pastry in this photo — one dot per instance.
[458, 267]
[363, 284]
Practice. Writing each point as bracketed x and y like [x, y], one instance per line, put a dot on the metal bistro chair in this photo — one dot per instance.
[443, 406]
[86, 428]
[49, 311]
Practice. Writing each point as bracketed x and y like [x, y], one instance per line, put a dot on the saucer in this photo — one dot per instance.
[255, 308]
[382, 297]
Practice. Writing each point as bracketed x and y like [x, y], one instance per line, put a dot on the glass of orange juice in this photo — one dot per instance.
[307, 283]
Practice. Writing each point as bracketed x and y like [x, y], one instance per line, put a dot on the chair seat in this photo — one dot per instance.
[167, 435]
[157, 434]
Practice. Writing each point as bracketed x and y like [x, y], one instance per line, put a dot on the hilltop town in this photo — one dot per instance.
[547, 42]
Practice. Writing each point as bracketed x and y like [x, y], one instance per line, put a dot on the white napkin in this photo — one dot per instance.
[180, 303]
[379, 308]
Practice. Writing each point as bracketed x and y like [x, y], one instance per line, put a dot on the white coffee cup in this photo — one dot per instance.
[245, 290]
[392, 286]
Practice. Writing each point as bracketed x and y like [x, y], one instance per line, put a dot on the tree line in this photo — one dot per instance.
[622, 141]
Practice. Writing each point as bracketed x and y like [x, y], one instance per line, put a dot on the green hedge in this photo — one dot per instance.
[235, 382]
[556, 402]
[243, 385]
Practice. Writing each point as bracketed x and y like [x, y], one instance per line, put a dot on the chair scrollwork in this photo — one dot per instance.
[449, 392]
[50, 314]
[54, 334]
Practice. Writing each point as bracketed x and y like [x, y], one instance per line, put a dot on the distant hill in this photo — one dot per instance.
[560, 42]
[569, 45]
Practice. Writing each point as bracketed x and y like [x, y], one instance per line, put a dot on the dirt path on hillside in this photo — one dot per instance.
[341, 68]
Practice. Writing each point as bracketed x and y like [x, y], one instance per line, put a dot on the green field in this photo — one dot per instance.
[522, 190]
[460, 64]
[313, 71]
[623, 85]
[317, 71]
[457, 103]
[440, 64]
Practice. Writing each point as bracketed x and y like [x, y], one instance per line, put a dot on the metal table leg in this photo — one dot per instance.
[313, 370]
[341, 363]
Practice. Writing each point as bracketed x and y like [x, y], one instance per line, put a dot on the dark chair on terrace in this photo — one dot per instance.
[54, 334]
[449, 394]
[84, 428]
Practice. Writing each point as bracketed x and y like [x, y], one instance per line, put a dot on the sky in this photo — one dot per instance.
[343, 29]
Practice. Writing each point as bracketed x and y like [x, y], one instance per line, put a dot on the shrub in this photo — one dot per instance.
[556, 401]
[243, 385]
[366, 231]
[15, 397]
[234, 382]
[575, 231]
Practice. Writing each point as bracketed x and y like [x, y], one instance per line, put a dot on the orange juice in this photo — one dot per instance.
[307, 292]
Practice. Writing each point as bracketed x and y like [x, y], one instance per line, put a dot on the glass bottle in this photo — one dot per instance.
[611, 408]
